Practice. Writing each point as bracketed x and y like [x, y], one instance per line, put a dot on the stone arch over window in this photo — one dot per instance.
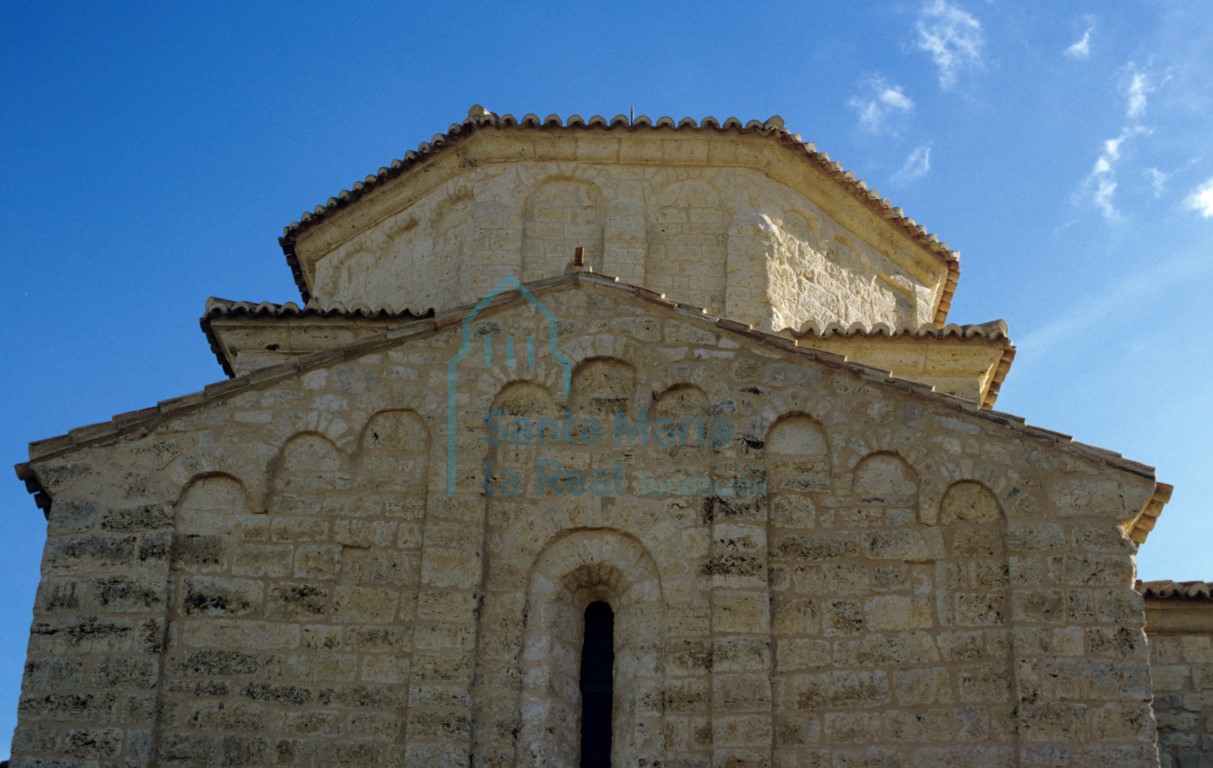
[571, 572]
[687, 242]
[559, 216]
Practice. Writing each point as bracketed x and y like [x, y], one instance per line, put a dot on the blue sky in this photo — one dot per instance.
[151, 154]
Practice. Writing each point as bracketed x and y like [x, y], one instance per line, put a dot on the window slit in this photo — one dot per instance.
[597, 684]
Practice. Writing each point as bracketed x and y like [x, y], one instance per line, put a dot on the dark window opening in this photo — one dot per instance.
[597, 683]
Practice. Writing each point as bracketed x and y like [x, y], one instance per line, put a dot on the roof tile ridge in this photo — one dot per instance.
[1167, 588]
[217, 305]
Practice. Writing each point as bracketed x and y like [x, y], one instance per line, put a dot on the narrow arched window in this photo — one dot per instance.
[597, 683]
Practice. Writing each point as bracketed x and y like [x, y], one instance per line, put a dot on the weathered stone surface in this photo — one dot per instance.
[808, 564]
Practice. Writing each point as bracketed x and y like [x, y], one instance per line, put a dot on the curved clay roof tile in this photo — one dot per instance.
[1167, 589]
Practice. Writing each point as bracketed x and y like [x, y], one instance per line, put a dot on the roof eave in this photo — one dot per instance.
[1140, 526]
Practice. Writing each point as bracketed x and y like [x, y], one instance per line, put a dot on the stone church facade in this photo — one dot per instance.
[675, 400]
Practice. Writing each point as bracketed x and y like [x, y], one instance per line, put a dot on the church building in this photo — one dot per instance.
[604, 443]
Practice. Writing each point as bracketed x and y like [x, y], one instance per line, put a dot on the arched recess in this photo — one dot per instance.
[797, 459]
[209, 504]
[886, 474]
[601, 387]
[797, 455]
[394, 452]
[392, 483]
[523, 428]
[201, 593]
[570, 572]
[559, 216]
[687, 241]
[805, 231]
[212, 494]
[886, 490]
[522, 420]
[354, 269]
[439, 275]
[308, 469]
[356, 272]
[972, 589]
[682, 426]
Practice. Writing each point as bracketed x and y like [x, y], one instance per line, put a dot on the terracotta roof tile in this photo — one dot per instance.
[1167, 589]
[216, 307]
[224, 308]
[992, 331]
[995, 330]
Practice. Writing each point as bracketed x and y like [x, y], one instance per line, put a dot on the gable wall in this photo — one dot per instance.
[280, 578]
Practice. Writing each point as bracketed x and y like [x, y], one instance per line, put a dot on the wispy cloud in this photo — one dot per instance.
[917, 165]
[1081, 48]
[1201, 199]
[1158, 180]
[1106, 302]
[952, 37]
[1100, 183]
[1137, 89]
[1138, 85]
[880, 103]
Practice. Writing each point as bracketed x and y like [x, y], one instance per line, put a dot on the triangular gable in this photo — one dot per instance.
[145, 420]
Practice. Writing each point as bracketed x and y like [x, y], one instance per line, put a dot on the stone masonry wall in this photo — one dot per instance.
[718, 235]
[1181, 666]
[807, 567]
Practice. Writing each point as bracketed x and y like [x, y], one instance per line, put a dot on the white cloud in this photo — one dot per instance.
[1081, 48]
[1158, 180]
[1101, 181]
[917, 165]
[952, 37]
[1201, 199]
[1136, 91]
[1138, 85]
[882, 102]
